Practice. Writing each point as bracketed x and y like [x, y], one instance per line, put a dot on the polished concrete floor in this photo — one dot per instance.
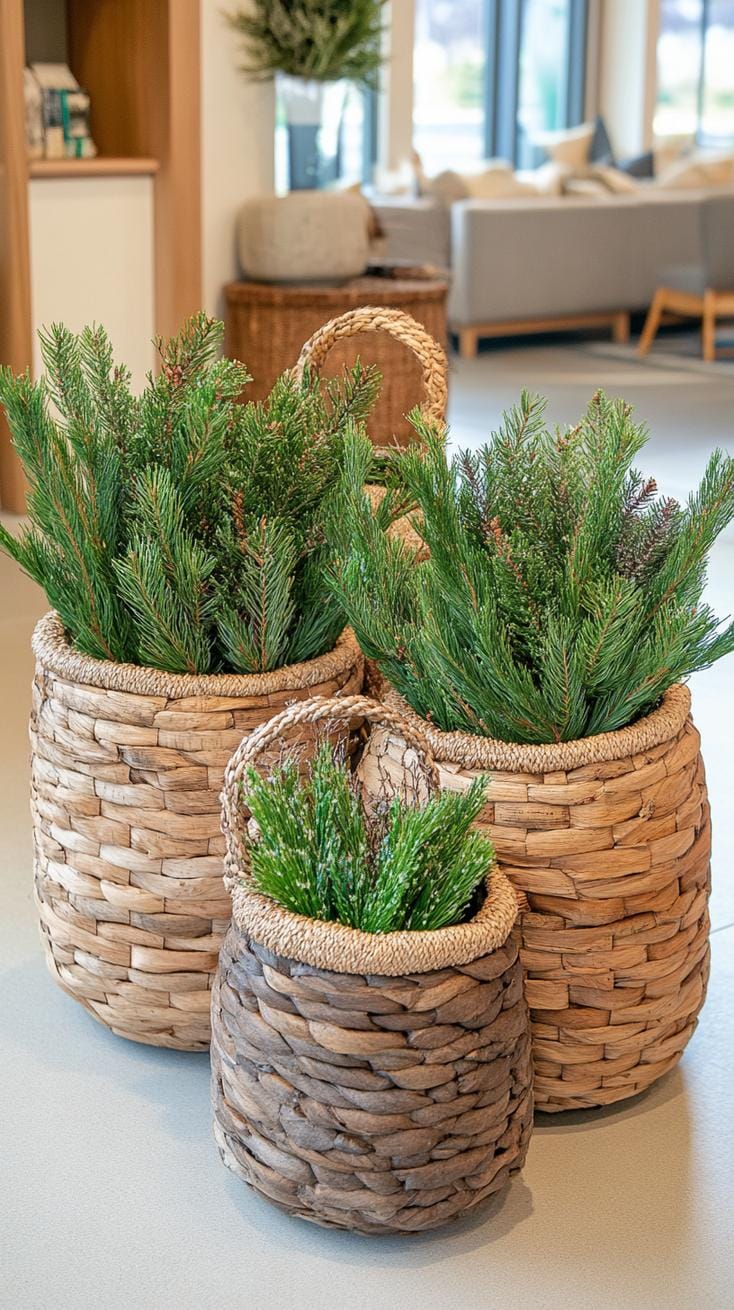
[113, 1194]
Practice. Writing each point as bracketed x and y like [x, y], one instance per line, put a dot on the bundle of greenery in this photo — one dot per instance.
[181, 529]
[562, 595]
[396, 865]
[323, 40]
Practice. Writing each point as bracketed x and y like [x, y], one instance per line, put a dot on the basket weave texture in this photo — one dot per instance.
[268, 324]
[127, 766]
[609, 839]
[375, 1083]
[426, 352]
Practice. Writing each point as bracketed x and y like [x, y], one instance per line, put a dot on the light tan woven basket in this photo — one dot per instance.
[434, 373]
[127, 766]
[380, 1083]
[609, 838]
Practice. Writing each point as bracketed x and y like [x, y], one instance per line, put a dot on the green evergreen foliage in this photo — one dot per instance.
[562, 596]
[319, 853]
[181, 529]
[321, 39]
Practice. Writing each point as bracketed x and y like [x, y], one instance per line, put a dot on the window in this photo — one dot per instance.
[449, 65]
[543, 74]
[695, 58]
[489, 75]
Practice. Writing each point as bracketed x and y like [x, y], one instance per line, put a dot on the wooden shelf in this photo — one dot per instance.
[102, 166]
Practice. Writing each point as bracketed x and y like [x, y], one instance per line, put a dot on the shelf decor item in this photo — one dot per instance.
[371, 1073]
[543, 641]
[179, 537]
[314, 49]
[416, 344]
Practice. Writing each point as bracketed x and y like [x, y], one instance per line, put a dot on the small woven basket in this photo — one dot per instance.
[374, 1082]
[609, 838]
[127, 767]
[434, 373]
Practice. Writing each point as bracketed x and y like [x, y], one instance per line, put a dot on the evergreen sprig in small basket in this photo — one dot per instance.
[434, 372]
[374, 1082]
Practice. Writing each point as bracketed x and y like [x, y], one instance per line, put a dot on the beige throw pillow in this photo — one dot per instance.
[698, 171]
[570, 146]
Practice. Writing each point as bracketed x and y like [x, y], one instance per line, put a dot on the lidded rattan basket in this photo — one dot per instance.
[374, 1082]
[127, 767]
[434, 374]
[609, 838]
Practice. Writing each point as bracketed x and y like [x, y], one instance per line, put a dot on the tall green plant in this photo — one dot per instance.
[180, 529]
[562, 596]
[402, 866]
[323, 40]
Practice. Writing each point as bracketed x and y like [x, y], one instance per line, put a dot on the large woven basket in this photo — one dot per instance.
[127, 767]
[434, 372]
[609, 838]
[380, 1083]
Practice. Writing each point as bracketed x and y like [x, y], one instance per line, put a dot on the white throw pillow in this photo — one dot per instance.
[584, 186]
[569, 146]
[547, 180]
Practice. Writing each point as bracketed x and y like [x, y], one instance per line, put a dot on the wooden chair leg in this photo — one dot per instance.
[652, 322]
[708, 326]
[621, 328]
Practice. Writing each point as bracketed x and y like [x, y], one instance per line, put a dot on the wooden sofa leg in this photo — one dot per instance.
[468, 342]
[652, 322]
[708, 326]
[621, 328]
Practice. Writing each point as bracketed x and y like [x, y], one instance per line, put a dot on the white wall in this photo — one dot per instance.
[627, 72]
[395, 137]
[237, 127]
[92, 261]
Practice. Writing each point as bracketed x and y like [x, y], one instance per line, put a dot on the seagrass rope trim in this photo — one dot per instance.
[335, 945]
[403, 327]
[319, 709]
[514, 757]
[53, 651]
[346, 950]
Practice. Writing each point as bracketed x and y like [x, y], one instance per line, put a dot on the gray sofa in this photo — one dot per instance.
[538, 264]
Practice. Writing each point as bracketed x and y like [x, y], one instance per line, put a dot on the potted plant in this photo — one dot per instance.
[179, 537]
[314, 49]
[370, 1048]
[544, 639]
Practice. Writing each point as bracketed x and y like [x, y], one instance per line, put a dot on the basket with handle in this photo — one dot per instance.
[405, 329]
[375, 1082]
[434, 375]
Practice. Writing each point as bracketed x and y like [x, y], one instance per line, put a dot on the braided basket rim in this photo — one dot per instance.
[662, 724]
[54, 652]
[340, 949]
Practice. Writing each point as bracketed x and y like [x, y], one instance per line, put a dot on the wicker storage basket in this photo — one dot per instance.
[267, 325]
[380, 1083]
[127, 766]
[609, 838]
[429, 355]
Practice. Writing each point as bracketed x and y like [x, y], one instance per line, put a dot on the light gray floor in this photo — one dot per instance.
[113, 1195]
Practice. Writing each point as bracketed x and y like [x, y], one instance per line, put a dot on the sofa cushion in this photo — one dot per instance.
[570, 146]
[639, 165]
[698, 170]
[600, 147]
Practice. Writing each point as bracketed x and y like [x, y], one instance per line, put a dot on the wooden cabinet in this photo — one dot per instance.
[140, 62]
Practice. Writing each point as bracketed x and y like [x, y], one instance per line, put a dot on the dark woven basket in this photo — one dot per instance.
[374, 1082]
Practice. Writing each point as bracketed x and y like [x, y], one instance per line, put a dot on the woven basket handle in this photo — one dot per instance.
[371, 318]
[316, 710]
